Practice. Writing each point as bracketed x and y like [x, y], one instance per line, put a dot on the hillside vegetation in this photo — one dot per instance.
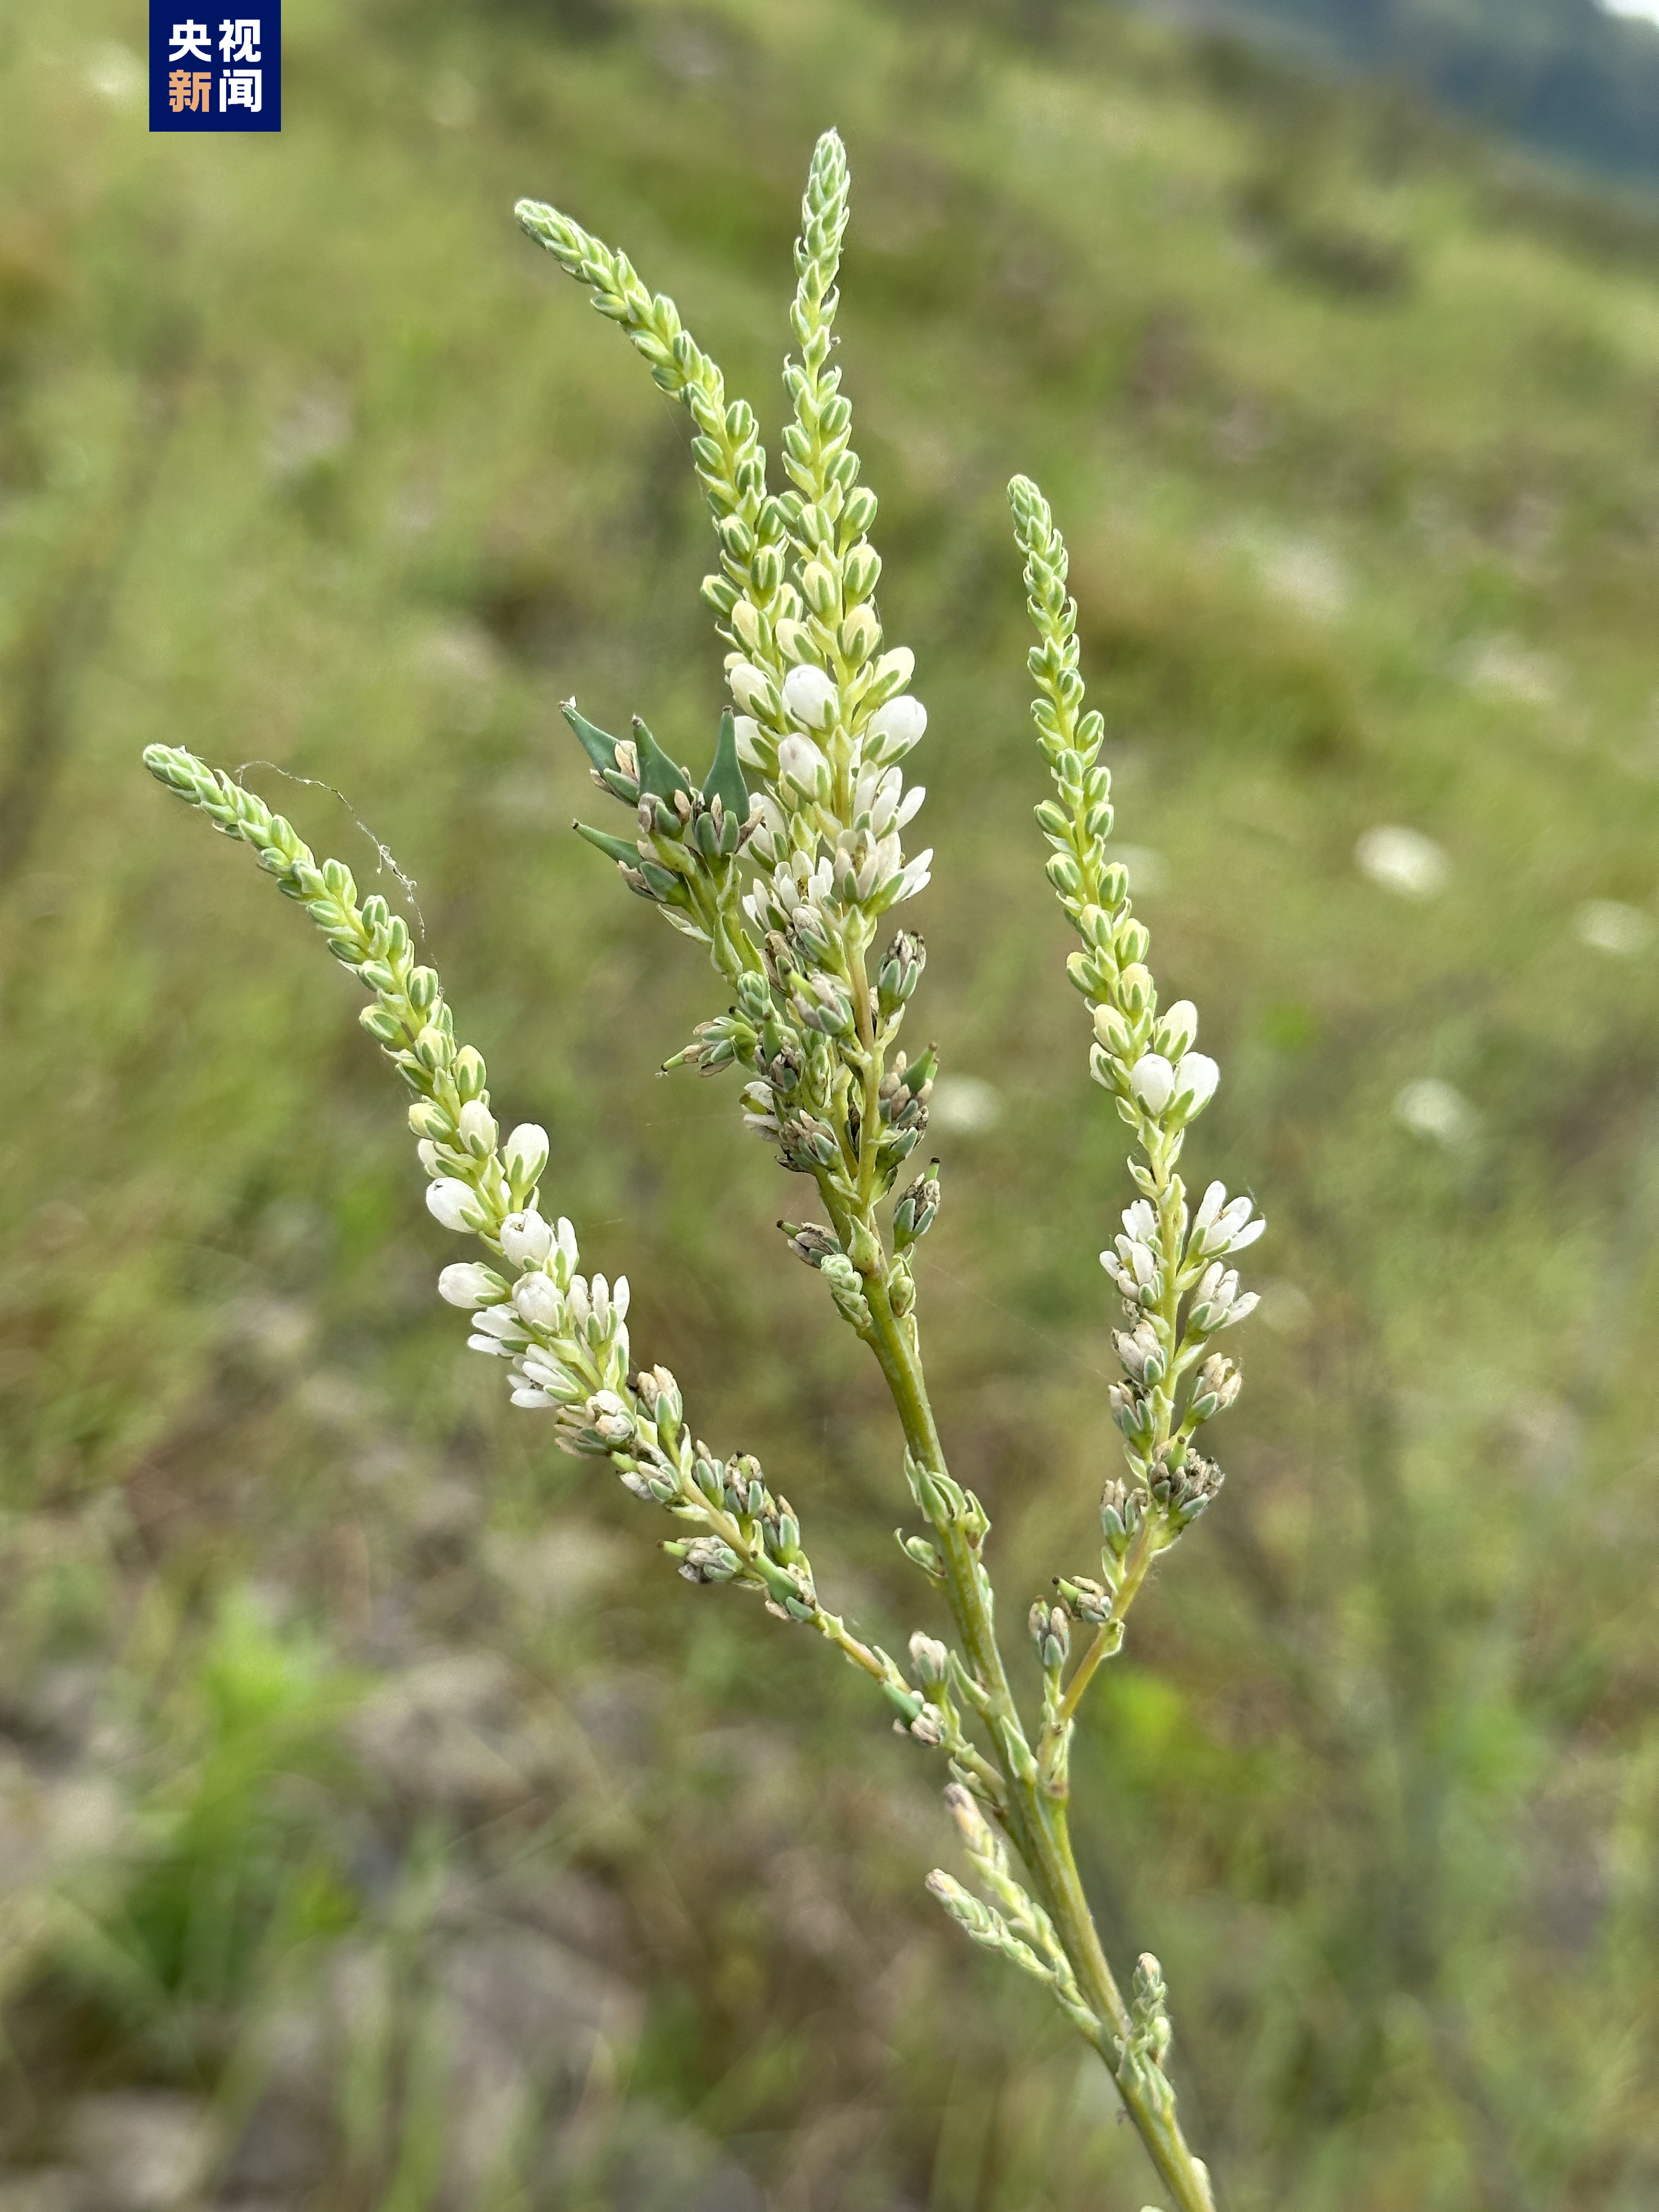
[1577, 81]
[384, 1825]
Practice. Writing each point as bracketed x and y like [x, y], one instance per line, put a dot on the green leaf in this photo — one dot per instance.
[615, 848]
[658, 773]
[725, 778]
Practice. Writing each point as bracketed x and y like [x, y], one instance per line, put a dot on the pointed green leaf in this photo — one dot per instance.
[615, 848]
[725, 779]
[598, 745]
[658, 773]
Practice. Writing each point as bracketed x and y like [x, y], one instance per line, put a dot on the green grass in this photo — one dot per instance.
[307, 457]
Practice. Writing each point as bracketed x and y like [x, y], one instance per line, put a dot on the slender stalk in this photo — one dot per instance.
[1037, 1820]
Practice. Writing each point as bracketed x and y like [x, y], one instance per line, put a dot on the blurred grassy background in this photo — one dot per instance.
[382, 1825]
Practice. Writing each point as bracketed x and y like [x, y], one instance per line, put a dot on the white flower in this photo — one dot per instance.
[1152, 1081]
[477, 1126]
[535, 1298]
[453, 1203]
[533, 1401]
[1403, 861]
[918, 874]
[1196, 1076]
[964, 1104]
[493, 1345]
[801, 762]
[427, 1153]
[1218, 1227]
[467, 1285]
[1608, 926]
[899, 724]
[750, 688]
[810, 697]
[895, 668]
[1140, 1223]
[746, 730]
[527, 1240]
[500, 1322]
[619, 1297]
[1434, 1110]
[567, 1240]
[525, 1153]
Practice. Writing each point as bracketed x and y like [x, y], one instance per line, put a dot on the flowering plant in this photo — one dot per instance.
[781, 861]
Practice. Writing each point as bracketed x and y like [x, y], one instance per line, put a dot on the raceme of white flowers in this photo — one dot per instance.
[782, 860]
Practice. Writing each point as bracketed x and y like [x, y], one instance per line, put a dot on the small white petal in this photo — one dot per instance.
[500, 1321]
[747, 731]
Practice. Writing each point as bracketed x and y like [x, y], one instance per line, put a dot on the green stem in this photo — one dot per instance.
[1037, 1821]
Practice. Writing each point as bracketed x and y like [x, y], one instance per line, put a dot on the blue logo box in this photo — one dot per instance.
[209, 71]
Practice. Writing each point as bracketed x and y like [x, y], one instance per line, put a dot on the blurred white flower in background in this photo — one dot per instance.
[1607, 925]
[1148, 871]
[1403, 861]
[1502, 668]
[1434, 1110]
[1285, 1307]
[115, 74]
[1305, 574]
[1633, 11]
[964, 1104]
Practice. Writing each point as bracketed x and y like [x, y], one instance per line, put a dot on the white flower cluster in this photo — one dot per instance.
[564, 1334]
[1136, 1264]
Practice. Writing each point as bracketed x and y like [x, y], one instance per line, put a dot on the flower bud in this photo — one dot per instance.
[468, 1285]
[900, 723]
[477, 1129]
[810, 697]
[751, 688]
[860, 633]
[1114, 1032]
[930, 1660]
[526, 1153]
[1196, 1080]
[802, 764]
[1177, 1029]
[895, 669]
[527, 1240]
[536, 1299]
[454, 1203]
[746, 730]
[1153, 1081]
